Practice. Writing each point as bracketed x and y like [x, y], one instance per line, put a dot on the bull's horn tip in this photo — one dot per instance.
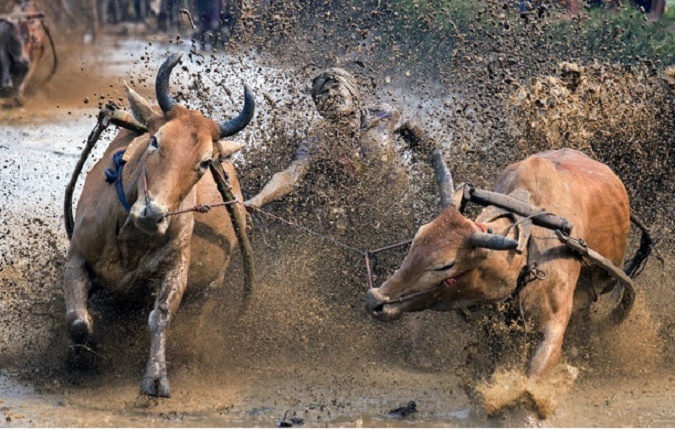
[248, 94]
[174, 58]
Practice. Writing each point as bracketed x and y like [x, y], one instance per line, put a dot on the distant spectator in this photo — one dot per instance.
[655, 8]
[168, 14]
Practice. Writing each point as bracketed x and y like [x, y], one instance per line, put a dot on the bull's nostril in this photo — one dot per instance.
[160, 219]
[379, 308]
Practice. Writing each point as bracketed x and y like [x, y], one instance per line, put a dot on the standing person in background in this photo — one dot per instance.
[655, 8]
[570, 7]
[168, 14]
[209, 18]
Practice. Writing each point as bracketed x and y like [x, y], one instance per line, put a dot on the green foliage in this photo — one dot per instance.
[625, 35]
[615, 35]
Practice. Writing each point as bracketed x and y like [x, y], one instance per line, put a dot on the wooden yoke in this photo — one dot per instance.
[561, 226]
[538, 216]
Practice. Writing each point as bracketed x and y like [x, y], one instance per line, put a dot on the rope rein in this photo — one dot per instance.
[365, 254]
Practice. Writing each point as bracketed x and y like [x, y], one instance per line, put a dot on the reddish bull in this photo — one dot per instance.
[455, 262]
[138, 234]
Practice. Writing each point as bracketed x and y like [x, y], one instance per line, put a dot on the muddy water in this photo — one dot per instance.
[302, 352]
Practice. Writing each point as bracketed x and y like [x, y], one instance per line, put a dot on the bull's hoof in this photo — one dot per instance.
[81, 330]
[82, 350]
[156, 387]
[18, 101]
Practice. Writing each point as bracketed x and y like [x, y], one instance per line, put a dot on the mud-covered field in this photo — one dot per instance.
[305, 352]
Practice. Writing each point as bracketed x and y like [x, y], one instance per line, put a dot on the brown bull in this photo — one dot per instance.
[22, 46]
[34, 40]
[450, 266]
[142, 247]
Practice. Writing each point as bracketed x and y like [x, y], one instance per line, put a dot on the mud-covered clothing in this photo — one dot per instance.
[375, 140]
[366, 154]
[350, 184]
[373, 148]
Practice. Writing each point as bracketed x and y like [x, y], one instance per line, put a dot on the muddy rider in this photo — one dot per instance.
[358, 140]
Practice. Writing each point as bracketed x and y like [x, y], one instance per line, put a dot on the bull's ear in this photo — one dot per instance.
[227, 148]
[140, 107]
[457, 198]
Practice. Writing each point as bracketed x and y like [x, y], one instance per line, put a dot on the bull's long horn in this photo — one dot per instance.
[166, 102]
[236, 124]
[492, 241]
[444, 178]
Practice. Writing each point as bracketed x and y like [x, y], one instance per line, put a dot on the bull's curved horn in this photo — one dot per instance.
[492, 241]
[236, 124]
[166, 102]
[444, 178]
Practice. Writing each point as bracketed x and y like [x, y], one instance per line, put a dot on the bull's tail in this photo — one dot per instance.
[636, 265]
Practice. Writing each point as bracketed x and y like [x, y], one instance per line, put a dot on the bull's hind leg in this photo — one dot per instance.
[76, 286]
[156, 382]
[626, 295]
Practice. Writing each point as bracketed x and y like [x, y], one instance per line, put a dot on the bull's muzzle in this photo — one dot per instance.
[150, 218]
[379, 307]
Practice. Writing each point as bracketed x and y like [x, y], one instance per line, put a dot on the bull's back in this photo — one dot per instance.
[585, 191]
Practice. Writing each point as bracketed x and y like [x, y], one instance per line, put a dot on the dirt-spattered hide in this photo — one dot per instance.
[490, 84]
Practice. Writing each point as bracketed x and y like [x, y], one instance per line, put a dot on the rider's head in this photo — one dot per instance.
[335, 94]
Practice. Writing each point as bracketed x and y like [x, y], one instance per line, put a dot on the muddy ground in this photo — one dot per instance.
[305, 349]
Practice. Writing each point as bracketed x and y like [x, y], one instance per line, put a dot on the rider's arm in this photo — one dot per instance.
[417, 139]
[282, 183]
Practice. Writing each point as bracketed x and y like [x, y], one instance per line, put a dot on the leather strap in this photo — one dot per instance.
[115, 176]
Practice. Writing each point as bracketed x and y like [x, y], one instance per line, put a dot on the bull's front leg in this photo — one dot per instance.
[156, 382]
[76, 291]
[552, 322]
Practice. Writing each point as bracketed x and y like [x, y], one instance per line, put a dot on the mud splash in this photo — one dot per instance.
[306, 350]
[511, 388]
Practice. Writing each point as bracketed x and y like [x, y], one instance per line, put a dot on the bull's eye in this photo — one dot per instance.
[153, 143]
[444, 268]
[204, 164]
